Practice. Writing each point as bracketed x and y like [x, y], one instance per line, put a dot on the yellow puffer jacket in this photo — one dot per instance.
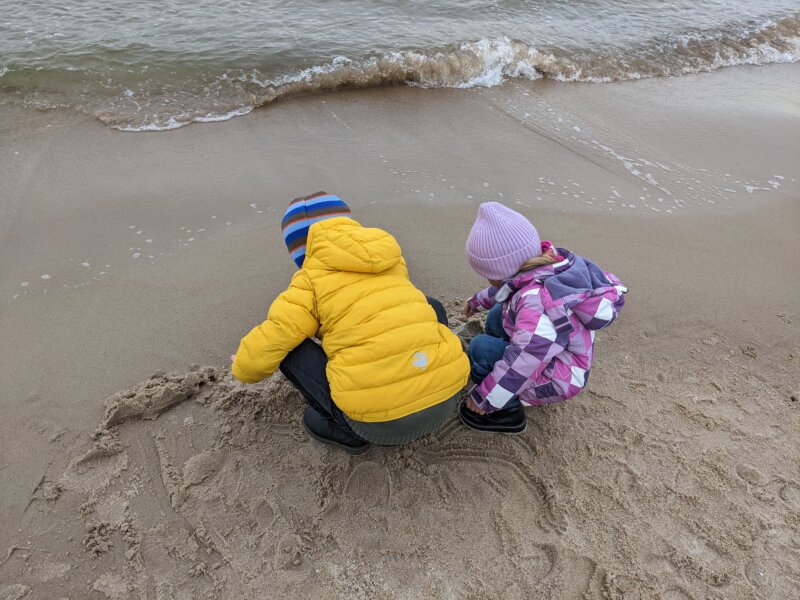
[388, 356]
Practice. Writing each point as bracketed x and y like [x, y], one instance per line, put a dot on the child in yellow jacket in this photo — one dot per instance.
[388, 369]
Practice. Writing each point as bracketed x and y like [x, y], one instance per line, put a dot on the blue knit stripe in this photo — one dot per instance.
[294, 213]
[299, 255]
[290, 229]
[327, 198]
[299, 234]
[306, 223]
[300, 204]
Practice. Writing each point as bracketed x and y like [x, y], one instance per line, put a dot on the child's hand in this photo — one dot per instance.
[468, 310]
[470, 403]
[233, 358]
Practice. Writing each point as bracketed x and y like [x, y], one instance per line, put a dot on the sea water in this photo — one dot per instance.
[151, 66]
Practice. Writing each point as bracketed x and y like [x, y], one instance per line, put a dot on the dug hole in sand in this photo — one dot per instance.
[662, 480]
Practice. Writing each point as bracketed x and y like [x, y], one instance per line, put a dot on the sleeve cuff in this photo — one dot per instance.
[475, 305]
[481, 402]
[240, 375]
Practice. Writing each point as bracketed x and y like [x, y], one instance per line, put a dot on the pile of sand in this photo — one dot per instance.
[664, 480]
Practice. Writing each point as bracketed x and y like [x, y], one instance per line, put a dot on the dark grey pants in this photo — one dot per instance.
[305, 368]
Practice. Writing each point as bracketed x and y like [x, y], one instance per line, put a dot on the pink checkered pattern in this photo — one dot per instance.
[552, 339]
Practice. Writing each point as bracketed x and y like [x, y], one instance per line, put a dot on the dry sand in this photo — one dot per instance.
[675, 475]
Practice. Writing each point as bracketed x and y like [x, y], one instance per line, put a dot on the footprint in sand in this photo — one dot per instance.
[751, 475]
[264, 513]
[790, 493]
[619, 586]
[577, 577]
[370, 483]
[755, 574]
[289, 552]
[626, 478]
[787, 536]
[164, 590]
[696, 547]
[537, 561]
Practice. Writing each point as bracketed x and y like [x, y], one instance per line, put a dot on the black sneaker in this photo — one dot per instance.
[507, 420]
[325, 430]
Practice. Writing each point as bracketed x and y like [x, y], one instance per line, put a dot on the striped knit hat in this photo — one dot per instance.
[500, 241]
[304, 212]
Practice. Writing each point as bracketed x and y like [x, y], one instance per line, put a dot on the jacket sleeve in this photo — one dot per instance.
[617, 298]
[291, 319]
[534, 344]
[483, 300]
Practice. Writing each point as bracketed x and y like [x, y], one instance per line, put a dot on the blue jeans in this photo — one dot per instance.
[487, 348]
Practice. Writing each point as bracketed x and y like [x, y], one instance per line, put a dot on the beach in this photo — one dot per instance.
[131, 466]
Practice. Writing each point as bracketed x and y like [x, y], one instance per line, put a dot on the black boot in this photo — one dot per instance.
[507, 420]
[325, 430]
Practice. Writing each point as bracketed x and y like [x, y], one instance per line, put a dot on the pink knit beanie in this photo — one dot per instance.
[500, 241]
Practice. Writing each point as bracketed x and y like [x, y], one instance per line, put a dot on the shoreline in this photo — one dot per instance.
[78, 194]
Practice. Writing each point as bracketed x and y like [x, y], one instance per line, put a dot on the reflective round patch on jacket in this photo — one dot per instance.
[421, 360]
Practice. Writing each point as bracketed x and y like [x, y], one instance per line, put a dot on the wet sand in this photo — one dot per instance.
[675, 475]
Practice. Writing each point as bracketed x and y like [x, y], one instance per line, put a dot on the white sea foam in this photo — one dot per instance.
[212, 118]
[154, 124]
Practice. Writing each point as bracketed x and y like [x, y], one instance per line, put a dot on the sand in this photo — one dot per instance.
[675, 475]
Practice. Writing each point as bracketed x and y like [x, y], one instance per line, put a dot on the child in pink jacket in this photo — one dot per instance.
[545, 305]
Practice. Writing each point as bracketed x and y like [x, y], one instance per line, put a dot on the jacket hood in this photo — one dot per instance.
[342, 244]
[572, 283]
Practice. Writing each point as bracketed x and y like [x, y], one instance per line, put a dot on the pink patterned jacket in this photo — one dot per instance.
[550, 315]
